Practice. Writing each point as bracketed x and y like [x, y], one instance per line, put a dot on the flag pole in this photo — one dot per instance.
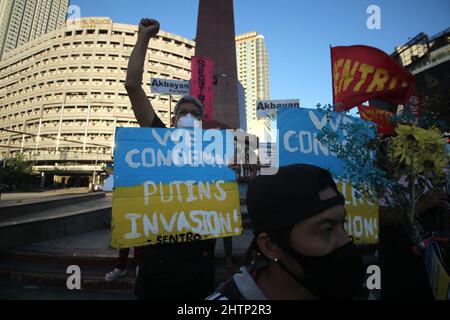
[332, 75]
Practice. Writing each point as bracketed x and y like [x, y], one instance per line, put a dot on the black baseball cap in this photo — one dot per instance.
[289, 197]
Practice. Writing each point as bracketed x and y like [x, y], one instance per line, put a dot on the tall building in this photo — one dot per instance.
[215, 40]
[24, 20]
[253, 73]
[62, 95]
[412, 51]
[428, 59]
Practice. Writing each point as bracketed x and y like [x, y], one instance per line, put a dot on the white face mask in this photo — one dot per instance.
[188, 121]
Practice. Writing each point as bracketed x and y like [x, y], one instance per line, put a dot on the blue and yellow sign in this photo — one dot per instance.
[299, 143]
[362, 216]
[173, 185]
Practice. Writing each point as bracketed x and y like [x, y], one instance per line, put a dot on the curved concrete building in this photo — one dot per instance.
[63, 94]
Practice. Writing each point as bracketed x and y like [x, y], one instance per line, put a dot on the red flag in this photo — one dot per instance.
[361, 73]
[382, 118]
[202, 84]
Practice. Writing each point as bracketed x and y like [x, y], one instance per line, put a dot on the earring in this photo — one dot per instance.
[276, 259]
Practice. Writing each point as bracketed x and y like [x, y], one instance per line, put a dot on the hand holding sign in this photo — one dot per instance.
[148, 28]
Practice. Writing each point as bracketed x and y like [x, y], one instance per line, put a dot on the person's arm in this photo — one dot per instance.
[142, 108]
[434, 198]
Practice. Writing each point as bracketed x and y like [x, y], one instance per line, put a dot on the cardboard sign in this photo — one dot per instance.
[362, 216]
[298, 142]
[173, 185]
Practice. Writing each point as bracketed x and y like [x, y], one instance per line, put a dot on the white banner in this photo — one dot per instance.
[269, 107]
[175, 87]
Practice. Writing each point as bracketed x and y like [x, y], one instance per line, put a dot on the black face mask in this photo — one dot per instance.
[337, 275]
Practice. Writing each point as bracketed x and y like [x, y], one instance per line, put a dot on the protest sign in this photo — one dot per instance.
[299, 143]
[173, 185]
[298, 137]
[166, 86]
[202, 84]
[269, 108]
[362, 216]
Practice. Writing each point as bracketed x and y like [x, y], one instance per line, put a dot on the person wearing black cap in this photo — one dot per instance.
[302, 249]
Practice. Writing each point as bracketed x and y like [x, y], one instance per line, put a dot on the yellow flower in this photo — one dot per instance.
[419, 149]
[411, 133]
[435, 137]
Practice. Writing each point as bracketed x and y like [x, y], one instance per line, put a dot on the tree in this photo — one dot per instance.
[16, 172]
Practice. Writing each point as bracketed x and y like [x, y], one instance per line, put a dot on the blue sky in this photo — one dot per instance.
[297, 32]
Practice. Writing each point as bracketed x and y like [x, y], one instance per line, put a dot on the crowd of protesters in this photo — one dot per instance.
[300, 250]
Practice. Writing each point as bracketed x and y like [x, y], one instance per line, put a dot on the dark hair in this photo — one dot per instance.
[189, 99]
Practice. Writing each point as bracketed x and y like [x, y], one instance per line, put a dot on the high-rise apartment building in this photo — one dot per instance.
[253, 73]
[24, 20]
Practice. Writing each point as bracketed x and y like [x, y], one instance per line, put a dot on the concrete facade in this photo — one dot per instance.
[62, 95]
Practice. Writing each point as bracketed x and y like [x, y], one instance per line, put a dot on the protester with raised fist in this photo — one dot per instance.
[182, 271]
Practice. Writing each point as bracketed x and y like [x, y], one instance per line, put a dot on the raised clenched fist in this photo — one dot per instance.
[148, 28]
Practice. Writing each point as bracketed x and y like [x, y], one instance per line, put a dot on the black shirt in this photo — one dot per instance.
[157, 123]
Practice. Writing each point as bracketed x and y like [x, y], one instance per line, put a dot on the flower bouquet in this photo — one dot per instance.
[395, 171]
